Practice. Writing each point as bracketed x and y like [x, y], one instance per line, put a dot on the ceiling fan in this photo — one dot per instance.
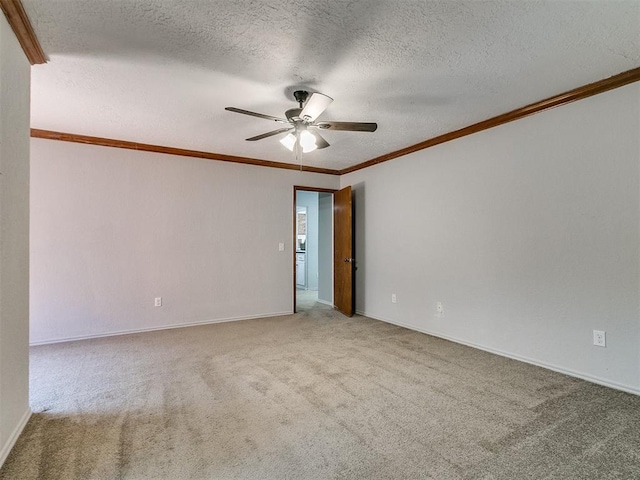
[302, 125]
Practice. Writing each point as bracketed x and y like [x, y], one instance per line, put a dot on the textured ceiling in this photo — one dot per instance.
[162, 71]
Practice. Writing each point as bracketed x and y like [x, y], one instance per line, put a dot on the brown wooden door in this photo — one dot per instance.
[343, 261]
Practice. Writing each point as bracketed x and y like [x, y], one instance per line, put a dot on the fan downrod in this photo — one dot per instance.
[300, 96]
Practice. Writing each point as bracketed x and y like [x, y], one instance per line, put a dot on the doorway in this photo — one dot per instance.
[313, 268]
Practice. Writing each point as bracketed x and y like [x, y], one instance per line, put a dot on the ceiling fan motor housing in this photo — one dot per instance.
[293, 115]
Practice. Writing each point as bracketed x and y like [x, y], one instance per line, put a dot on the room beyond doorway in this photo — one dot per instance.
[313, 254]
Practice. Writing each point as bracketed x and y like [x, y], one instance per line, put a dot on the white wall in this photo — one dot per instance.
[310, 201]
[325, 248]
[15, 77]
[112, 229]
[527, 233]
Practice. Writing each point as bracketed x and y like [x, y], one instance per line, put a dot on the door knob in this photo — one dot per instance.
[349, 260]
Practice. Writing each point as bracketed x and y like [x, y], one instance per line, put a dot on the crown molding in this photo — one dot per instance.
[576, 94]
[145, 147]
[579, 93]
[19, 21]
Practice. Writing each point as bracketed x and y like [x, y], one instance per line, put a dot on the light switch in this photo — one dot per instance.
[281, 247]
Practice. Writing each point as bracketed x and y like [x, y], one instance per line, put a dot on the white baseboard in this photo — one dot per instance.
[325, 302]
[514, 356]
[13, 438]
[153, 329]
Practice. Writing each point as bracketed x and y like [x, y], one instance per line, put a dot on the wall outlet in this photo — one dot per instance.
[439, 309]
[281, 247]
[394, 299]
[599, 338]
[158, 302]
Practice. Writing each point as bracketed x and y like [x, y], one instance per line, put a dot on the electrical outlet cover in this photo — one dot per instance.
[599, 338]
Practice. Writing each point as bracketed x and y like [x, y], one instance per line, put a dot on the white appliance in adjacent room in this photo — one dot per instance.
[301, 246]
[301, 269]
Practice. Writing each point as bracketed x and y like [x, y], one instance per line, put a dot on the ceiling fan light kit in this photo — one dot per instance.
[308, 141]
[289, 141]
[301, 119]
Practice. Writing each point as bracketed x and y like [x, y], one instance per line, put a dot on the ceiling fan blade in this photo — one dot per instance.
[320, 141]
[259, 115]
[348, 126]
[316, 104]
[269, 134]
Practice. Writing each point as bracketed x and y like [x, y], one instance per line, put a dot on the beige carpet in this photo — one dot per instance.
[313, 396]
